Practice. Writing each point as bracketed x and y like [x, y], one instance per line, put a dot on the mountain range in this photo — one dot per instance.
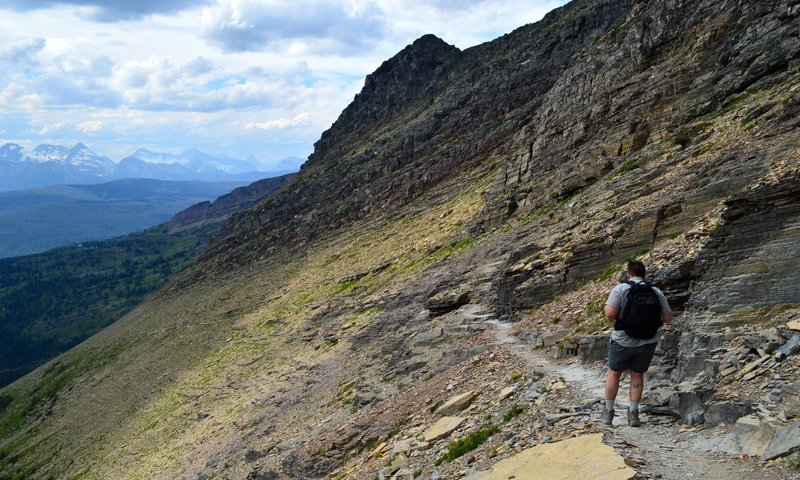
[424, 299]
[56, 164]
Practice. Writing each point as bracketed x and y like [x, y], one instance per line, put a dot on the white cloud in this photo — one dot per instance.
[299, 119]
[300, 26]
[90, 126]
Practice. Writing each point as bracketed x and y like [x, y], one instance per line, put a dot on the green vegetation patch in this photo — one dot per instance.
[514, 411]
[608, 273]
[436, 405]
[626, 167]
[467, 444]
[453, 248]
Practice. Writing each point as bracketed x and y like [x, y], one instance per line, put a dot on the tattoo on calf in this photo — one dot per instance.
[637, 386]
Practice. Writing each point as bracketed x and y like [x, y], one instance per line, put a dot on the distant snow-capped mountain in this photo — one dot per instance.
[79, 156]
[194, 160]
[56, 164]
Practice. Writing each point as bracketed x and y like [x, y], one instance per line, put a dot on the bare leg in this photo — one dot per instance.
[612, 385]
[637, 386]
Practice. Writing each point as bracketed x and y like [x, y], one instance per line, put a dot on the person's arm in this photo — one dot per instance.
[613, 303]
[666, 311]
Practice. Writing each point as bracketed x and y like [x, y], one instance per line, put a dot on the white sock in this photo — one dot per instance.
[609, 405]
[634, 406]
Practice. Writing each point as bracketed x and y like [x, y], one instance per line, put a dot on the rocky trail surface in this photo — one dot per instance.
[663, 447]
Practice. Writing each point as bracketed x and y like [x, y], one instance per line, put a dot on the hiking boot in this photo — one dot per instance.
[633, 418]
[608, 416]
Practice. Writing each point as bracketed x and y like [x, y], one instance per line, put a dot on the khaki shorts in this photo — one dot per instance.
[635, 359]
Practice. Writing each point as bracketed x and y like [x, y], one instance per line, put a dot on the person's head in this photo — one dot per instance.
[636, 268]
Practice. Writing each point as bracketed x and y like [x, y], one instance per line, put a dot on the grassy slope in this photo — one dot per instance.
[222, 331]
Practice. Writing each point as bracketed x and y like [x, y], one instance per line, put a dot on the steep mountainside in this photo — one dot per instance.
[326, 325]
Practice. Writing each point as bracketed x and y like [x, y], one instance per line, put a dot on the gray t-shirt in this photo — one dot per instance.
[617, 300]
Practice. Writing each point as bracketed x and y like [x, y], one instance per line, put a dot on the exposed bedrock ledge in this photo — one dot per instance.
[749, 270]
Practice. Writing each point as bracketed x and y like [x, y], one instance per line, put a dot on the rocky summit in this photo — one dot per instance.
[451, 243]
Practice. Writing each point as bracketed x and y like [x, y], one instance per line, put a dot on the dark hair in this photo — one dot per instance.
[636, 268]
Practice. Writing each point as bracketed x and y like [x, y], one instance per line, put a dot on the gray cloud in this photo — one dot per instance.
[199, 66]
[322, 27]
[109, 10]
[101, 66]
[60, 90]
[23, 51]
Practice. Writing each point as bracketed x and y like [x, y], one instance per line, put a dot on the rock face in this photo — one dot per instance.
[750, 263]
[444, 95]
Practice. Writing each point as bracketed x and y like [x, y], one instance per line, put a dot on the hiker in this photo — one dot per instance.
[638, 310]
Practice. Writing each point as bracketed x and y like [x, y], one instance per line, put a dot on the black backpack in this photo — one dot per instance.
[641, 316]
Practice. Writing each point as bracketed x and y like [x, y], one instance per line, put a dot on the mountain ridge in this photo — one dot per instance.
[57, 164]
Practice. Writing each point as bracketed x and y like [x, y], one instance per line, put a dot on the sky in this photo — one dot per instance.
[244, 78]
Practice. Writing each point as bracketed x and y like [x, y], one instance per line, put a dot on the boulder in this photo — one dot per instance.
[457, 403]
[792, 347]
[506, 392]
[593, 348]
[786, 440]
[725, 412]
[752, 435]
[447, 300]
[684, 404]
[442, 428]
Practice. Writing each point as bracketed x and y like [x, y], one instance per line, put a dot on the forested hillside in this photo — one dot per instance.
[52, 301]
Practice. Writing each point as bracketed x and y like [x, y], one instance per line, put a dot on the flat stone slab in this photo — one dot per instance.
[785, 441]
[585, 458]
[506, 392]
[442, 428]
[457, 403]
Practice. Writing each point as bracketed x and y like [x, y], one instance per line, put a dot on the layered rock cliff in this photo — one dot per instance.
[508, 181]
